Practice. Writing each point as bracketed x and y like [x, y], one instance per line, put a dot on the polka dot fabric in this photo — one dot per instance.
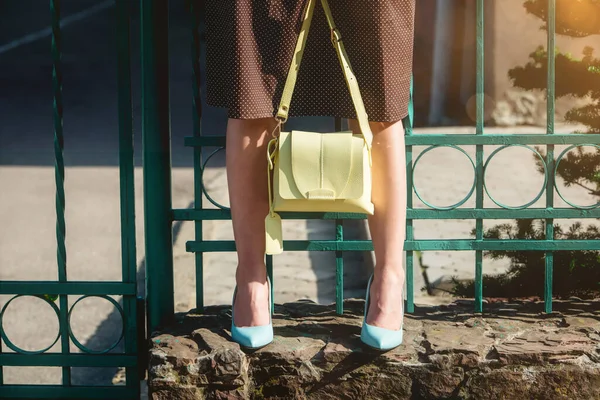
[250, 43]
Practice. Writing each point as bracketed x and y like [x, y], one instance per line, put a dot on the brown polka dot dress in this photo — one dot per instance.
[250, 43]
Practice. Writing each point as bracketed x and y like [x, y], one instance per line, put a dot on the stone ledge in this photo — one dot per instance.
[514, 351]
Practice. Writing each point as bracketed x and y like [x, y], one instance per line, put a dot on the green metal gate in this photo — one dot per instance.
[157, 163]
[55, 293]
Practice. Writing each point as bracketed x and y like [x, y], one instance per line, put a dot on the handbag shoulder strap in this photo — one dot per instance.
[336, 39]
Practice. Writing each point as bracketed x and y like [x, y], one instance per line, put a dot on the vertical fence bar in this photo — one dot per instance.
[156, 134]
[197, 131]
[127, 183]
[339, 256]
[142, 350]
[480, 91]
[59, 166]
[337, 124]
[550, 102]
[410, 281]
[339, 268]
[59, 176]
[269, 264]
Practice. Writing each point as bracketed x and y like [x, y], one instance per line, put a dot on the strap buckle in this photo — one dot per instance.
[336, 35]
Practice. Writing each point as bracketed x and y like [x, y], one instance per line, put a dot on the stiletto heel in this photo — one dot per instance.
[376, 337]
[252, 337]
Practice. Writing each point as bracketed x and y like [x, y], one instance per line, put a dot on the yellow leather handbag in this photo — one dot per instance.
[312, 171]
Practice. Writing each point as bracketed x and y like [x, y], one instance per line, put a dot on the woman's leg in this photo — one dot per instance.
[388, 224]
[246, 159]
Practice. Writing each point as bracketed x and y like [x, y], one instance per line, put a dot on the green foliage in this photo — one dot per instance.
[576, 78]
[575, 18]
[575, 272]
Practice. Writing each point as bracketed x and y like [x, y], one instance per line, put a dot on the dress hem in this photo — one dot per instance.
[386, 118]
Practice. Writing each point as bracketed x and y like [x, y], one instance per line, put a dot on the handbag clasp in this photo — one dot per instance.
[336, 36]
[321, 194]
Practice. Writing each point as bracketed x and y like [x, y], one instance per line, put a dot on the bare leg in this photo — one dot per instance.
[248, 195]
[388, 224]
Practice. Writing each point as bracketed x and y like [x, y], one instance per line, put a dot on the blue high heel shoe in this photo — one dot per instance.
[376, 337]
[252, 337]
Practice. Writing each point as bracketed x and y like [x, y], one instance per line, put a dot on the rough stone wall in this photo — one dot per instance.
[514, 351]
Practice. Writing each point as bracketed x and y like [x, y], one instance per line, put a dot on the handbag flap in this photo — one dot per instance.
[321, 166]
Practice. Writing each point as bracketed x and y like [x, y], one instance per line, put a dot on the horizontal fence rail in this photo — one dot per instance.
[435, 139]
[458, 213]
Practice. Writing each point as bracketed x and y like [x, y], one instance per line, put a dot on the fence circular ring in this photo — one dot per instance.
[461, 202]
[213, 201]
[565, 151]
[13, 346]
[536, 198]
[81, 346]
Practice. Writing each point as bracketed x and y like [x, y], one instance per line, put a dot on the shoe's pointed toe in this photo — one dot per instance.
[380, 338]
[376, 337]
[253, 336]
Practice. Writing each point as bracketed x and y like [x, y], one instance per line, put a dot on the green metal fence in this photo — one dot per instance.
[160, 297]
[55, 293]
